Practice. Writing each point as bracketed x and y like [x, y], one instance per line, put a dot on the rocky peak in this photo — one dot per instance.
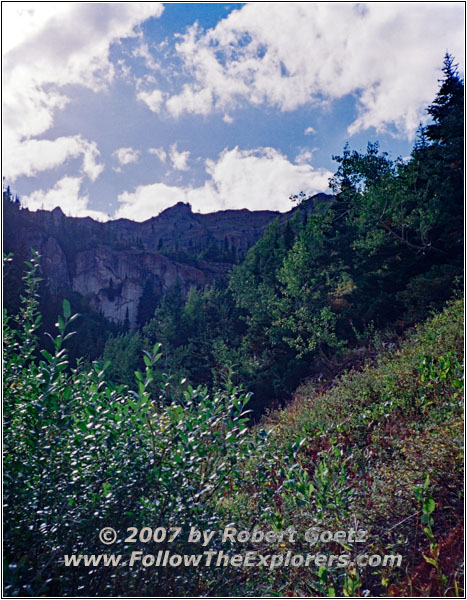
[181, 209]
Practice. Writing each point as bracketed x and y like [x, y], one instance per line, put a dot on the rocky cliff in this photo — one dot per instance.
[112, 264]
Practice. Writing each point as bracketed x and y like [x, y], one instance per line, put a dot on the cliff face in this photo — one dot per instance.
[111, 264]
[114, 280]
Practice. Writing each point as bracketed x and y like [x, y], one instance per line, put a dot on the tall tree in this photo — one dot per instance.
[147, 304]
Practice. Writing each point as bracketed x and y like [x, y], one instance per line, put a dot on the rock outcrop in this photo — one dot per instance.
[114, 280]
[111, 263]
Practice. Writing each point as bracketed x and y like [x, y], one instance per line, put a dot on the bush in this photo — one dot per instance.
[368, 444]
[82, 453]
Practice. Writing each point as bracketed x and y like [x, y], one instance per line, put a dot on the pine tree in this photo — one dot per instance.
[147, 304]
[447, 110]
[439, 158]
[126, 322]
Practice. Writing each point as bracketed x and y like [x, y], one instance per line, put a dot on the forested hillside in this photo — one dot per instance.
[319, 386]
[314, 292]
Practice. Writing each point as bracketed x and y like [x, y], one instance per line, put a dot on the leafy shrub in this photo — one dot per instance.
[82, 453]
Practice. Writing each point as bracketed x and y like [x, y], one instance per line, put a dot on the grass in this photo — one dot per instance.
[362, 453]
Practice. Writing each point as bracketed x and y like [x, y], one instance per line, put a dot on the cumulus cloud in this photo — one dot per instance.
[32, 156]
[192, 100]
[179, 159]
[159, 152]
[148, 201]
[126, 156]
[309, 130]
[255, 179]
[45, 50]
[287, 55]
[153, 99]
[65, 194]
[142, 51]
[304, 156]
[261, 178]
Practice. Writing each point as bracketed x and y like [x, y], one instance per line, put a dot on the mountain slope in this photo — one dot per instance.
[381, 450]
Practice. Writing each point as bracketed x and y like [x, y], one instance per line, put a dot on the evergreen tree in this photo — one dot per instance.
[147, 304]
[447, 112]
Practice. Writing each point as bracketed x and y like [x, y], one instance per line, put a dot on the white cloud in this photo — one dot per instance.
[257, 179]
[179, 159]
[142, 51]
[152, 99]
[261, 179]
[125, 156]
[291, 54]
[198, 101]
[90, 166]
[65, 194]
[32, 156]
[309, 130]
[227, 119]
[159, 152]
[49, 45]
[303, 157]
[148, 200]
[44, 50]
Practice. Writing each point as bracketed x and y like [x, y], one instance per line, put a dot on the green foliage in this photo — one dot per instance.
[81, 453]
[124, 354]
[315, 289]
[382, 254]
[366, 444]
[428, 508]
[447, 126]
[147, 304]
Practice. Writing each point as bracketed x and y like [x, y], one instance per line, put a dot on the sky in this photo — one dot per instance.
[120, 110]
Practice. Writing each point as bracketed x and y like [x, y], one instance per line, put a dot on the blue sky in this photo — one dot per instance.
[123, 109]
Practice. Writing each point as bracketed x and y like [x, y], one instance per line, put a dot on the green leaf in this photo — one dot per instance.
[428, 506]
[66, 309]
[431, 561]
[60, 323]
[47, 355]
[429, 533]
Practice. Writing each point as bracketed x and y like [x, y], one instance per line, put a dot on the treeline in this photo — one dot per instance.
[377, 259]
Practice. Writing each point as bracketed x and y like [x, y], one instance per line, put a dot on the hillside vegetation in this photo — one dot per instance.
[383, 448]
[380, 451]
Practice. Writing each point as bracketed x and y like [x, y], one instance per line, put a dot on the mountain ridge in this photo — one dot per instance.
[113, 263]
